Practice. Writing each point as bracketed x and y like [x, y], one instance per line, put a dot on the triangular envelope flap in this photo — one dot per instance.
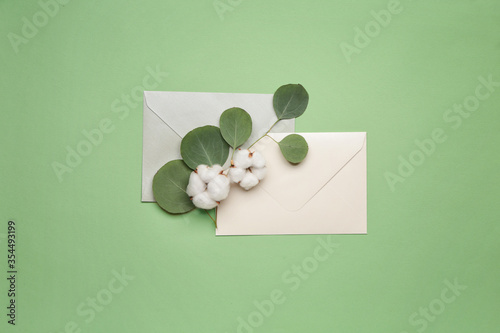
[292, 186]
[184, 111]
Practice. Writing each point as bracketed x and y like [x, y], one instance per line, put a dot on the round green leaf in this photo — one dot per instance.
[235, 126]
[294, 148]
[169, 187]
[204, 145]
[290, 101]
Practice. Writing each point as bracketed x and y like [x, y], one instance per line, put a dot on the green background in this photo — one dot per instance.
[440, 224]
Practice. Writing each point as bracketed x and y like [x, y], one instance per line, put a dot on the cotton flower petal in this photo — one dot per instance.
[258, 160]
[208, 173]
[202, 170]
[195, 185]
[242, 158]
[236, 174]
[249, 181]
[218, 188]
[204, 201]
[260, 173]
[217, 169]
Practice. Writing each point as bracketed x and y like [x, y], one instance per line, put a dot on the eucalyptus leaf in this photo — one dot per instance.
[235, 126]
[290, 101]
[204, 145]
[294, 148]
[169, 187]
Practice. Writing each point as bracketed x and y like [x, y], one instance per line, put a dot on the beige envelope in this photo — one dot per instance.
[325, 194]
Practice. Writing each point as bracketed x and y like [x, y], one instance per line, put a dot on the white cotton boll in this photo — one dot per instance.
[218, 188]
[236, 174]
[208, 173]
[217, 169]
[260, 173]
[242, 159]
[249, 181]
[203, 200]
[195, 185]
[258, 160]
[202, 170]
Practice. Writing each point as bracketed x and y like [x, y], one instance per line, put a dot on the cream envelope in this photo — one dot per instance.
[169, 116]
[325, 194]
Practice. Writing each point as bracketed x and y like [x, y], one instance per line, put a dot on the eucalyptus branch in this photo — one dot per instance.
[215, 221]
[205, 150]
[264, 134]
[270, 137]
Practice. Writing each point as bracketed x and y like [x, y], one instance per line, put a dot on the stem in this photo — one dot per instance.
[264, 134]
[232, 155]
[215, 221]
[270, 137]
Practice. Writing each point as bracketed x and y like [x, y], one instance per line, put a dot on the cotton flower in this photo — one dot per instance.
[258, 160]
[204, 201]
[208, 173]
[247, 168]
[242, 159]
[208, 186]
[249, 181]
[260, 173]
[196, 185]
[236, 174]
[218, 188]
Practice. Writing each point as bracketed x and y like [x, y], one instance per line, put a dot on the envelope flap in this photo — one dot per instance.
[184, 111]
[292, 186]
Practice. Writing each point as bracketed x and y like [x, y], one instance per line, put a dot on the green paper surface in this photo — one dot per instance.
[420, 77]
